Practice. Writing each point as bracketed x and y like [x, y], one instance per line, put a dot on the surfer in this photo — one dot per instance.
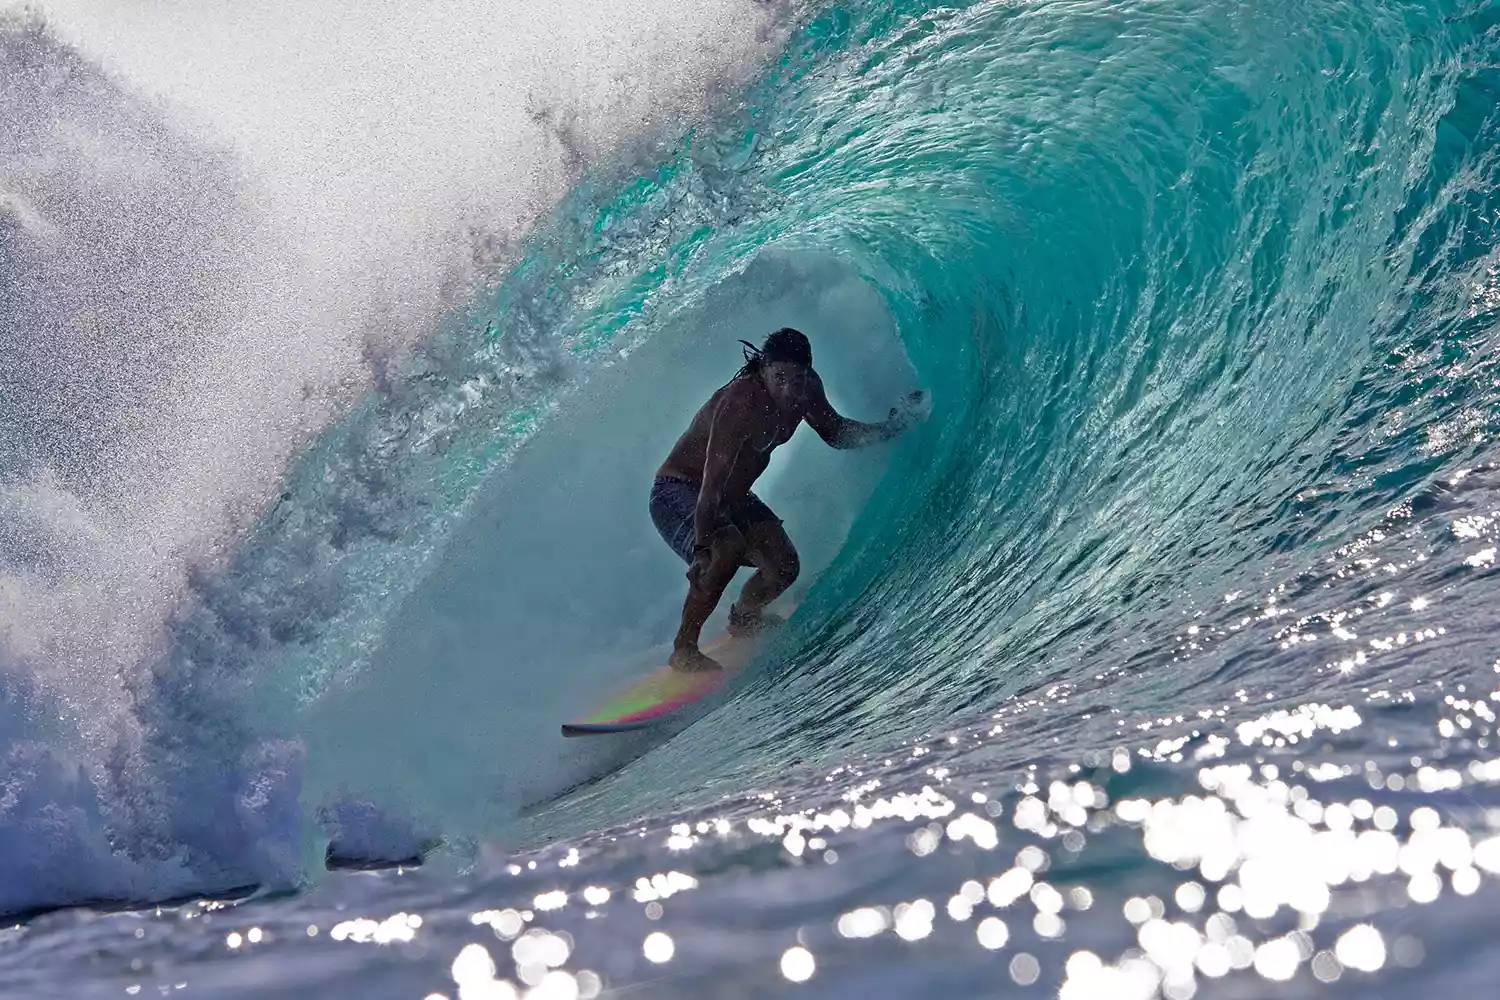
[701, 500]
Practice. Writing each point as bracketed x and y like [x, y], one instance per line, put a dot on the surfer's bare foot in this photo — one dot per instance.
[692, 660]
[746, 625]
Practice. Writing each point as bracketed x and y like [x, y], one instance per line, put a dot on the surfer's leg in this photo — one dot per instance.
[704, 590]
[771, 552]
[673, 502]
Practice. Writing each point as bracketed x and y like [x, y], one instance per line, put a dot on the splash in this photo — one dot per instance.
[203, 280]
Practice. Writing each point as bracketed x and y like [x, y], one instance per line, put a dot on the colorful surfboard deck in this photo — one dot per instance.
[665, 691]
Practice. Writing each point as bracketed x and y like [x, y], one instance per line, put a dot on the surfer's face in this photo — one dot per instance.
[786, 381]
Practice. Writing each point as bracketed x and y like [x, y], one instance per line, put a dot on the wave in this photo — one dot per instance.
[1206, 310]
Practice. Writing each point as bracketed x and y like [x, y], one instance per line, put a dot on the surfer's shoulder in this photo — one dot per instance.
[734, 394]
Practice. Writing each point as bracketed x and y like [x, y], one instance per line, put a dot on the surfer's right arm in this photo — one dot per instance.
[842, 432]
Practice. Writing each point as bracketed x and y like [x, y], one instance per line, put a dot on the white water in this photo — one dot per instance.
[378, 142]
[364, 167]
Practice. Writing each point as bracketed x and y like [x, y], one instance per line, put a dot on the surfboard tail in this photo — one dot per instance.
[665, 692]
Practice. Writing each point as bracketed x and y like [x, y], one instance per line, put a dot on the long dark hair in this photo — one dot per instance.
[785, 344]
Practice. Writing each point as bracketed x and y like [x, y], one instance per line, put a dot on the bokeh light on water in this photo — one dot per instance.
[1284, 867]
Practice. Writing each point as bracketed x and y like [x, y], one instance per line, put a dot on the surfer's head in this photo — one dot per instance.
[783, 364]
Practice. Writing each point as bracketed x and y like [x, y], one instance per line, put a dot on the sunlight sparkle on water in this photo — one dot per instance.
[797, 964]
[658, 947]
[914, 920]
[1024, 969]
[864, 922]
[992, 933]
[1263, 839]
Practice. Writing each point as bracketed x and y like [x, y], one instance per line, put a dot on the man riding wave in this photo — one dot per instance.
[701, 500]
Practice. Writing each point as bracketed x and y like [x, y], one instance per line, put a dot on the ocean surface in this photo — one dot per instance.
[339, 343]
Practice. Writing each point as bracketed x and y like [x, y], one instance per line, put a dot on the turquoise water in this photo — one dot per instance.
[1161, 661]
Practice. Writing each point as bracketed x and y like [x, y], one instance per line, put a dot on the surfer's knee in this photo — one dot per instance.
[782, 570]
[788, 567]
[726, 552]
[773, 554]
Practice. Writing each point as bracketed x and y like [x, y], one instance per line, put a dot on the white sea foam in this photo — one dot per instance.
[221, 244]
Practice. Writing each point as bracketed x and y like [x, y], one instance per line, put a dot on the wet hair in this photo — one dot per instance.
[785, 344]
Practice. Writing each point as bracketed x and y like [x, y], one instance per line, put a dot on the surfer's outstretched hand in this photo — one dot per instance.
[913, 408]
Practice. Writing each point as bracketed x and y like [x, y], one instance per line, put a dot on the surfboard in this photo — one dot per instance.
[665, 692]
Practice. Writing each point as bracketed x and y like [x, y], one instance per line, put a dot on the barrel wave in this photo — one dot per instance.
[1207, 298]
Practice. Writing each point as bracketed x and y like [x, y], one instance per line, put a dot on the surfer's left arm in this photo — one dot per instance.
[841, 432]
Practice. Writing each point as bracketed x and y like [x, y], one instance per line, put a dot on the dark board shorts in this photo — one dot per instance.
[673, 503]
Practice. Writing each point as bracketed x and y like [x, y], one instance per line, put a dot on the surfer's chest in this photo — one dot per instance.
[774, 435]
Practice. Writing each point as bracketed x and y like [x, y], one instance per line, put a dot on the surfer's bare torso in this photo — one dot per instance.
[749, 427]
